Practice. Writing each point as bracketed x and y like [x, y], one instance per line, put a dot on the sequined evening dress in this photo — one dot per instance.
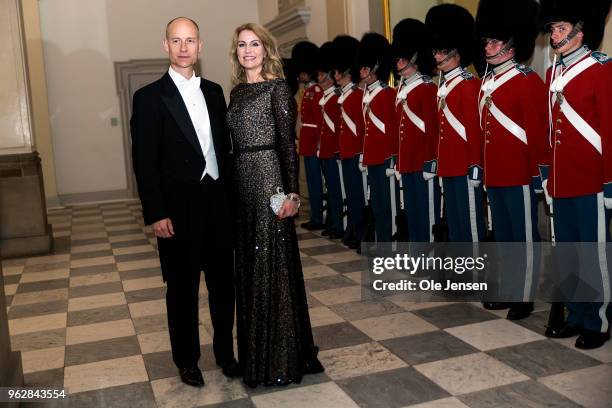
[275, 344]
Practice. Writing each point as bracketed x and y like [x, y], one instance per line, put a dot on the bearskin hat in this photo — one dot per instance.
[345, 49]
[324, 57]
[509, 19]
[375, 51]
[303, 57]
[410, 41]
[592, 14]
[449, 27]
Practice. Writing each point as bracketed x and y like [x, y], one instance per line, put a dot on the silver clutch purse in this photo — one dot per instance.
[276, 200]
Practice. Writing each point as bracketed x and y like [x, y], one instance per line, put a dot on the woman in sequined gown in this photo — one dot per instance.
[275, 344]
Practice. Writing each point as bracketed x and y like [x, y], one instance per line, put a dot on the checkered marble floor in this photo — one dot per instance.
[91, 318]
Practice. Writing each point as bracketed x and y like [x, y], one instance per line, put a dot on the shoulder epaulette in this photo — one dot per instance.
[523, 69]
[467, 75]
[600, 57]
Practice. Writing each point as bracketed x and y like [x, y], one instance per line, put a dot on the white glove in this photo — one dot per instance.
[474, 183]
[398, 175]
[428, 176]
[362, 168]
[608, 203]
[390, 172]
[546, 195]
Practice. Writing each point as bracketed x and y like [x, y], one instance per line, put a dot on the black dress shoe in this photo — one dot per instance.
[562, 332]
[495, 305]
[313, 226]
[335, 234]
[354, 244]
[250, 383]
[591, 339]
[230, 368]
[326, 232]
[519, 311]
[313, 366]
[192, 376]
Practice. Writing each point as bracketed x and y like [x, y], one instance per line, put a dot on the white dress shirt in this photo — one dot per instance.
[198, 112]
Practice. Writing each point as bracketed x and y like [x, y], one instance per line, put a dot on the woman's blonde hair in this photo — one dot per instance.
[272, 62]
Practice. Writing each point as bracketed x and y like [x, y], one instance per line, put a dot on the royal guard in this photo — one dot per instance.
[303, 57]
[514, 129]
[350, 134]
[328, 141]
[458, 159]
[580, 177]
[380, 129]
[416, 113]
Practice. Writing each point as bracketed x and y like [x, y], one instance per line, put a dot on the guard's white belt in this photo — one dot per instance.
[349, 122]
[581, 126]
[329, 122]
[312, 125]
[454, 122]
[418, 122]
[508, 123]
[377, 122]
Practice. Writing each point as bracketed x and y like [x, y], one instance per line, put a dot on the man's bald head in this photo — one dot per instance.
[179, 20]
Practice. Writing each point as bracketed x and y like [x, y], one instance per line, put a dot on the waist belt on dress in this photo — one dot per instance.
[259, 148]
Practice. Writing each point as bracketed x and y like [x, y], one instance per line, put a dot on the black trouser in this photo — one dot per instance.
[202, 242]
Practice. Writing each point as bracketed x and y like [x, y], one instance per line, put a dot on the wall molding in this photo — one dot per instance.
[289, 28]
[94, 197]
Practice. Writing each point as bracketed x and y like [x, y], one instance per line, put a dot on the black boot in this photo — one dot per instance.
[556, 319]
[519, 310]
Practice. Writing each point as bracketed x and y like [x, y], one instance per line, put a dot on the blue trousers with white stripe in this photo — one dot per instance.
[420, 198]
[334, 193]
[314, 181]
[353, 187]
[380, 198]
[585, 219]
[514, 211]
[514, 216]
[463, 208]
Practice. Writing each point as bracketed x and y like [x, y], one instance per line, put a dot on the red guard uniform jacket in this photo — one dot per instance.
[456, 154]
[578, 168]
[515, 95]
[415, 145]
[351, 143]
[310, 118]
[328, 136]
[380, 135]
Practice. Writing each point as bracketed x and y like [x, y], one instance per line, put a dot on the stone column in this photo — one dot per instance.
[11, 372]
[23, 215]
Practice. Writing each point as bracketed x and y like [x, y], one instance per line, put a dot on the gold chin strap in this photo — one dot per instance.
[509, 45]
[450, 55]
[577, 28]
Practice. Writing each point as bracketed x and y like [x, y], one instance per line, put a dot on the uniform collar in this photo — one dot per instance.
[415, 76]
[329, 90]
[503, 67]
[372, 87]
[347, 87]
[452, 73]
[574, 56]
